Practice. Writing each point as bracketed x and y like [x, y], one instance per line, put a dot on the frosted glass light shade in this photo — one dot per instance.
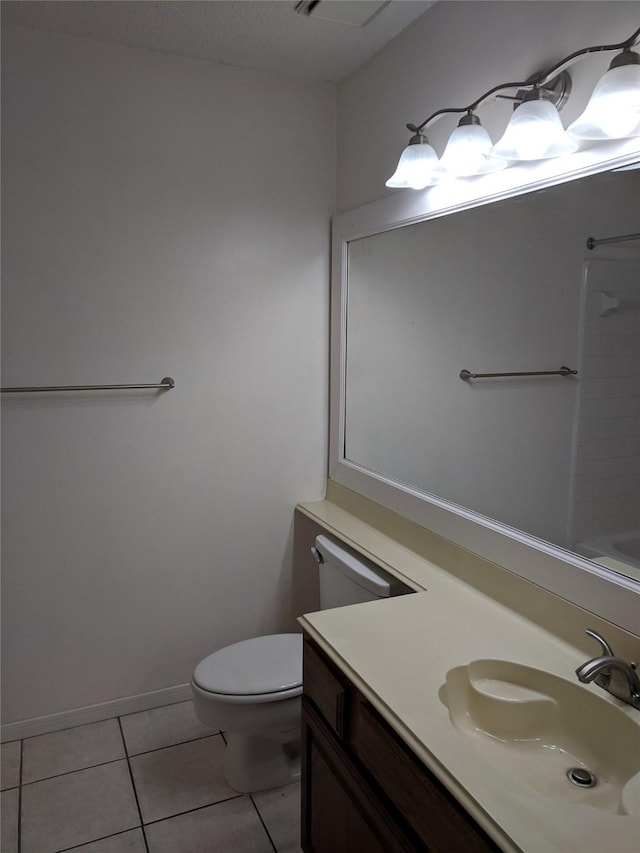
[535, 132]
[467, 153]
[415, 168]
[613, 111]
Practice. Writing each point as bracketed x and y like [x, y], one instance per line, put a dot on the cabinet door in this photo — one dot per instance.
[419, 798]
[340, 814]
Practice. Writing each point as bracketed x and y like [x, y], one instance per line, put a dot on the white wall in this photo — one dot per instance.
[160, 216]
[449, 57]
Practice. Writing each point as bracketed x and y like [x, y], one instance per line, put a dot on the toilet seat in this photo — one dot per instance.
[262, 669]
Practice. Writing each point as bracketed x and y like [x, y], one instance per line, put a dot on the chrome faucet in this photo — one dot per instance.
[612, 673]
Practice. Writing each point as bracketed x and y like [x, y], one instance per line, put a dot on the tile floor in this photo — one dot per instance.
[149, 782]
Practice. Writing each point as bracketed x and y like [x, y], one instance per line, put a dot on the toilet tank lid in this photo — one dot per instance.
[252, 667]
[360, 570]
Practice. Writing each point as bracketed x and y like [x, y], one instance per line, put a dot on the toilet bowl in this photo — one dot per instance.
[252, 690]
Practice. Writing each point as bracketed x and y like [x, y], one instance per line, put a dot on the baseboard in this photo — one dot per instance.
[94, 713]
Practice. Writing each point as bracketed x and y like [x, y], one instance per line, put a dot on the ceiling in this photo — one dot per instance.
[266, 35]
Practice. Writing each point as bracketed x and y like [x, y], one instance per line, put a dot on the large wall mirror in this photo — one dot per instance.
[499, 285]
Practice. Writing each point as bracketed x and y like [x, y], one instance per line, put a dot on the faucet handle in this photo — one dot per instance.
[607, 651]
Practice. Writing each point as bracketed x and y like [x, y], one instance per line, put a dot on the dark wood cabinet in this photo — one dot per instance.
[362, 787]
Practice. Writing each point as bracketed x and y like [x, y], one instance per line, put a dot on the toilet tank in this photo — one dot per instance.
[349, 579]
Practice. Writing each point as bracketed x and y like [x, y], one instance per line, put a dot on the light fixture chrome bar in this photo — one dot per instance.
[166, 384]
[466, 375]
[622, 238]
[537, 80]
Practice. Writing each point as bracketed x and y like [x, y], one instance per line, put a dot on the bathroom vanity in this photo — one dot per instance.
[362, 788]
[443, 720]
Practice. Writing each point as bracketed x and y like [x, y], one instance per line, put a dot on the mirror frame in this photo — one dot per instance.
[601, 591]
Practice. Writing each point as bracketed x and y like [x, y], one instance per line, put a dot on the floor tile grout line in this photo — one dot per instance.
[169, 745]
[156, 708]
[95, 722]
[96, 840]
[77, 770]
[133, 785]
[196, 809]
[66, 729]
[122, 757]
[19, 833]
[264, 825]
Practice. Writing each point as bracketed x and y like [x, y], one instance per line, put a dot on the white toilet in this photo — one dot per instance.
[252, 690]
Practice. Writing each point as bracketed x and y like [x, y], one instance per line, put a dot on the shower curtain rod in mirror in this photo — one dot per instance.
[622, 238]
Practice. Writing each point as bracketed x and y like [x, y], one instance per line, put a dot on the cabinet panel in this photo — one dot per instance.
[340, 813]
[325, 688]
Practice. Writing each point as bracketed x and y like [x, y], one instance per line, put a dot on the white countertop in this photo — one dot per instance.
[398, 652]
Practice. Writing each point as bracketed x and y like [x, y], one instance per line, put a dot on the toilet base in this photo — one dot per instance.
[255, 763]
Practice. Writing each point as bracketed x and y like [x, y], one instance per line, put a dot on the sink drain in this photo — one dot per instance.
[581, 777]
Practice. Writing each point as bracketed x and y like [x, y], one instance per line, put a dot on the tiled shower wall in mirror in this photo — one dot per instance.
[606, 486]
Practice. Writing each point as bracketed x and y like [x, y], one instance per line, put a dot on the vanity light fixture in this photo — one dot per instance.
[416, 166]
[468, 150]
[613, 111]
[535, 131]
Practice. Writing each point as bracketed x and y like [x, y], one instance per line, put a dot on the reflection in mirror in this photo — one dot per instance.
[507, 287]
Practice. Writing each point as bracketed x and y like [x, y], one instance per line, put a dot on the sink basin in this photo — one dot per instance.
[537, 727]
